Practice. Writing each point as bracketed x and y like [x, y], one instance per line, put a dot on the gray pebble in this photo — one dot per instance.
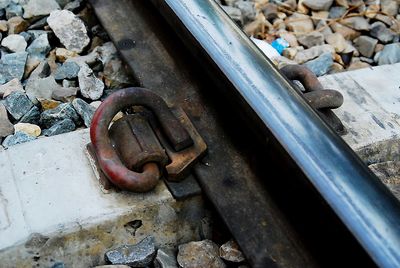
[320, 65]
[91, 87]
[85, 110]
[64, 111]
[13, 10]
[365, 45]
[12, 66]
[311, 39]
[18, 138]
[380, 31]
[32, 116]
[69, 29]
[61, 127]
[357, 23]
[337, 12]
[390, 7]
[390, 54]
[69, 70]
[18, 104]
[165, 259]
[248, 10]
[64, 94]
[318, 4]
[139, 255]
[40, 47]
[41, 87]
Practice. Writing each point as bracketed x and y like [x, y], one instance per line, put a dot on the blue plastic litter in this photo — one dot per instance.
[280, 44]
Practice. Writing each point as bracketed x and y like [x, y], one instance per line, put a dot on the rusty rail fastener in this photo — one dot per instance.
[315, 94]
[322, 100]
[108, 158]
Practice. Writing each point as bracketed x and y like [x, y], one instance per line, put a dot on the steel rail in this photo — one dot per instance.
[356, 195]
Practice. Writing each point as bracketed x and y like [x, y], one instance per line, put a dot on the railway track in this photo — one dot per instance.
[290, 191]
[213, 118]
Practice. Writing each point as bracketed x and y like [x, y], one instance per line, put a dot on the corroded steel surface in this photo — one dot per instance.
[136, 143]
[322, 100]
[108, 158]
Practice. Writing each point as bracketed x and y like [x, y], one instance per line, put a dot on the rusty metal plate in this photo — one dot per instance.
[181, 162]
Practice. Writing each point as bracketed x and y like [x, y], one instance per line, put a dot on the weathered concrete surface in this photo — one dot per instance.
[371, 114]
[52, 208]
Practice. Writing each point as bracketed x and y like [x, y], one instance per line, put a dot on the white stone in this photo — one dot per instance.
[36, 8]
[91, 87]
[69, 29]
[48, 187]
[14, 42]
[4, 3]
[312, 53]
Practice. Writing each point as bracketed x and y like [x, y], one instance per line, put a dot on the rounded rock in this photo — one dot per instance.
[30, 129]
[14, 43]
[230, 251]
[365, 45]
[318, 4]
[200, 254]
[390, 54]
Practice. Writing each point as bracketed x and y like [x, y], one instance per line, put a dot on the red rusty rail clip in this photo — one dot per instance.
[133, 143]
[322, 100]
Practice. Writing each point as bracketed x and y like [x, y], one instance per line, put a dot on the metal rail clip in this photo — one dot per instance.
[320, 99]
[138, 148]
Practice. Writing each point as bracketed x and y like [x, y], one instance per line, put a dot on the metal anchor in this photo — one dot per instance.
[322, 100]
[130, 153]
